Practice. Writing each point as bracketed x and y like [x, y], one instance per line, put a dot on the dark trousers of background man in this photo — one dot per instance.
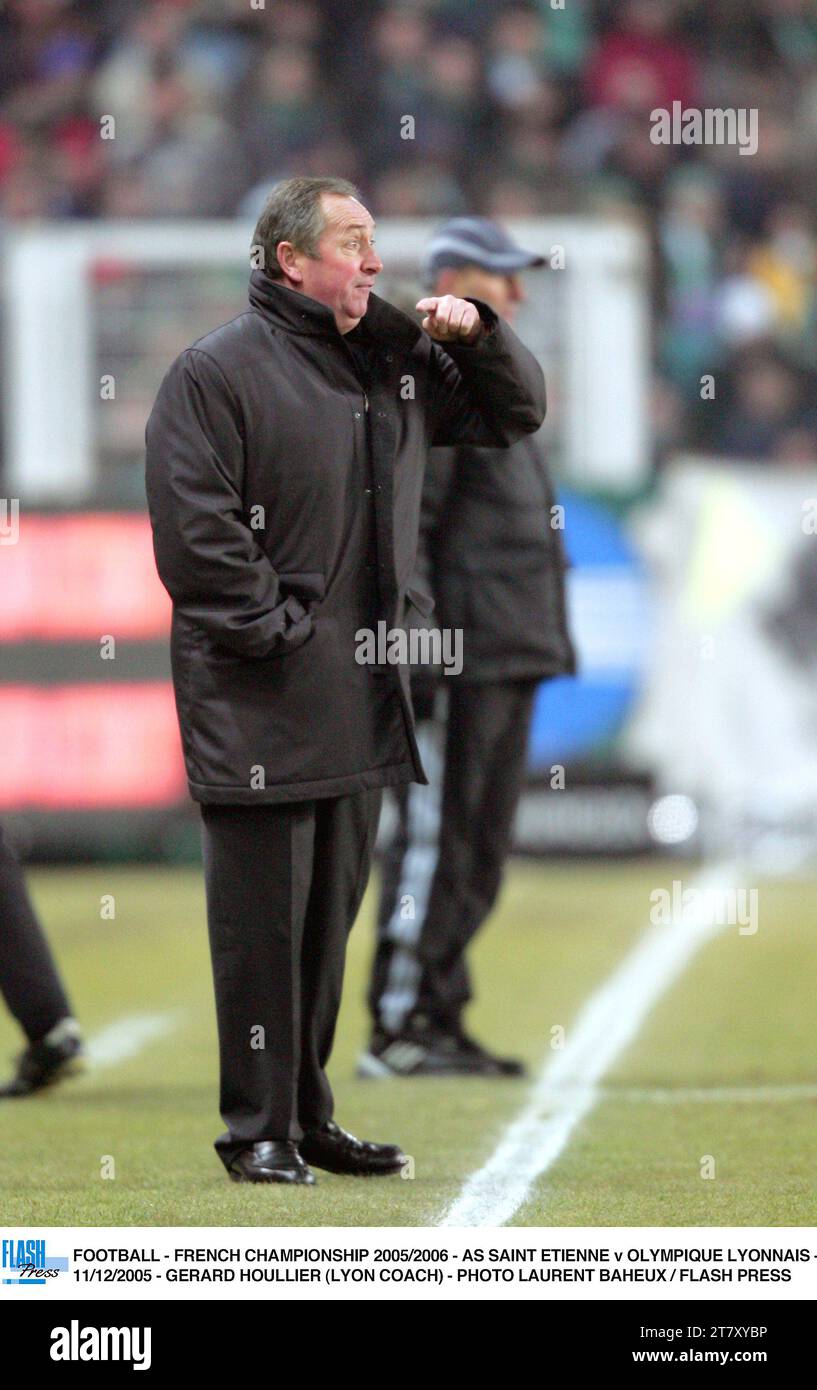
[29, 981]
[283, 885]
[443, 868]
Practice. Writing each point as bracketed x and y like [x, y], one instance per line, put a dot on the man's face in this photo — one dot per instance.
[342, 275]
[504, 293]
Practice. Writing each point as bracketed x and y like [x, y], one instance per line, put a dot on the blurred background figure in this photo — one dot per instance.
[492, 555]
[32, 989]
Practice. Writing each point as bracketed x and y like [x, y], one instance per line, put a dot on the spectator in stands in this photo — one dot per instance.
[768, 413]
[518, 110]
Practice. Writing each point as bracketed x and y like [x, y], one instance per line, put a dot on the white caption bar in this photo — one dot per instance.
[365, 1263]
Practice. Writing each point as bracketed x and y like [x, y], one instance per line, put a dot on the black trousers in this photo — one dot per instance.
[444, 867]
[283, 885]
[29, 982]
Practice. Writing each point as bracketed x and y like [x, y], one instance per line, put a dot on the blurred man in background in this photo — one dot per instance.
[32, 988]
[491, 553]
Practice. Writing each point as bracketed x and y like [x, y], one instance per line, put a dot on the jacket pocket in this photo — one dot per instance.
[307, 588]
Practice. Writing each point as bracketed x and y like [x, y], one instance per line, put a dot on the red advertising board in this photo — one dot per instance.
[81, 576]
[76, 744]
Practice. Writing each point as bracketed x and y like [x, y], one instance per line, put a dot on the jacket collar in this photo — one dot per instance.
[293, 312]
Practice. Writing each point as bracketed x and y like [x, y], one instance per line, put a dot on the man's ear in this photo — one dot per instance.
[288, 260]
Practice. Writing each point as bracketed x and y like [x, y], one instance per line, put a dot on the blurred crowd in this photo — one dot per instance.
[193, 108]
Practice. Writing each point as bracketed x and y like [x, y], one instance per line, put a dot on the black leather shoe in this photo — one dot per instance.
[332, 1148]
[270, 1160]
[504, 1066]
[432, 1052]
[58, 1055]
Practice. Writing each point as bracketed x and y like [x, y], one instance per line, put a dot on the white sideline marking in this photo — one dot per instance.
[128, 1036]
[607, 1024]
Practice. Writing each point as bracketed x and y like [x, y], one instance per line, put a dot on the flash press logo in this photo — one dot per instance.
[27, 1262]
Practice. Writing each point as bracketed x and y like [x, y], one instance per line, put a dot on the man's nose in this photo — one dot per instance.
[372, 262]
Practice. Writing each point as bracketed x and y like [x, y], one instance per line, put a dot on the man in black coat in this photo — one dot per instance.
[285, 456]
[491, 553]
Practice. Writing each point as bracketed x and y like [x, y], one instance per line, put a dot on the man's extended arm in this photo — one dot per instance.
[207, 557]
[488, 394]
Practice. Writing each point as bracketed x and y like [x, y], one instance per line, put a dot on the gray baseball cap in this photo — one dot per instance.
[476, 241]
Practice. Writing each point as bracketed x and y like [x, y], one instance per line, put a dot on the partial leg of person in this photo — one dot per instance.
[420, 1027]
[258, 873]
[486, 754]
[408, 870]
[31, 986]
[29, 981]
[345, 831]
[391, 891]
[283, 886]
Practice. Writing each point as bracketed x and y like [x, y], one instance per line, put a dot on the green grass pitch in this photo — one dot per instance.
[743, 1015]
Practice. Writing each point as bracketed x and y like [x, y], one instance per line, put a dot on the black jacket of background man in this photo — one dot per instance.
[285, 505]
[492, 556]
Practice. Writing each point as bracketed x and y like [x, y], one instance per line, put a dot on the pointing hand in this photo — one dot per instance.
[450, 320]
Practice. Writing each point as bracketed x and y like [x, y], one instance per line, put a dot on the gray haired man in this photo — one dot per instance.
[284, 479]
